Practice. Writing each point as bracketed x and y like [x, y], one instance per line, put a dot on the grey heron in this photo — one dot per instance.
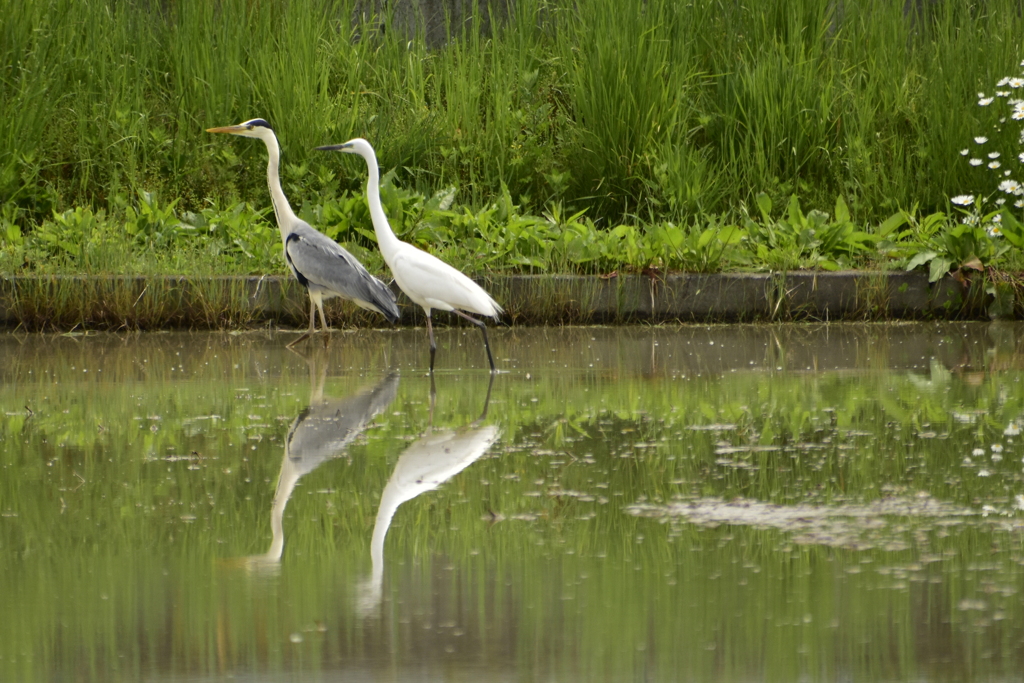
[318, 434]
[319, 263]
[425, 279]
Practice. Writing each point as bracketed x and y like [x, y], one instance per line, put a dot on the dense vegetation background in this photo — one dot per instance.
[636, 112]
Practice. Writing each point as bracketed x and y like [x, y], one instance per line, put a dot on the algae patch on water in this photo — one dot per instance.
[887, 523]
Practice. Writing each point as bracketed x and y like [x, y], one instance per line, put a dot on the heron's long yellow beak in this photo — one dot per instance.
[234, 130]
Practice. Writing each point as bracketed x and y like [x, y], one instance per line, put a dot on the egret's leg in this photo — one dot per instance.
[483, 329]
[433, 346]
[487, 402]
[312, 323]
[433, 401]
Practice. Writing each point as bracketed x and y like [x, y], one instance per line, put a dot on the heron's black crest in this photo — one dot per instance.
[258, 122]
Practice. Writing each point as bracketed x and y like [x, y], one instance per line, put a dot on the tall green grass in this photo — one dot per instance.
[652, 109]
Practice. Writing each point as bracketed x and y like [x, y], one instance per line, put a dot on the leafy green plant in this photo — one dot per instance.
[66, 236]
[800, 240]
[958, 249]
[695, 250]
[149, 222]
[10, 233]
[239, 234]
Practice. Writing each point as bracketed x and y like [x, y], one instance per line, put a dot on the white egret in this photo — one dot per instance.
[319, 263]
[425, 279]
[425, 465]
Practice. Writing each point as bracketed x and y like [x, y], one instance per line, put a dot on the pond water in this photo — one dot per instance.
[813, 503]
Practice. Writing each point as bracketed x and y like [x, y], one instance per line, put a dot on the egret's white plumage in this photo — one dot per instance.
[425, 465]
[426, 280]
[319, 263]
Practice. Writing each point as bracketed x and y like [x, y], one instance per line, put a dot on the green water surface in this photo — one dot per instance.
[728, 503]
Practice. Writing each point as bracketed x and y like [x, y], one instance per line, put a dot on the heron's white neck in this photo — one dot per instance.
[386, 239]
[282, 209]
[286, 482]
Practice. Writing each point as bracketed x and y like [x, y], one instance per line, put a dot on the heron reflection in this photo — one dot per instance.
[427, 463]
[320, 433]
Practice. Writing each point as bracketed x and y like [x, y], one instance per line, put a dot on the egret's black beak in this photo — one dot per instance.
[334, 148]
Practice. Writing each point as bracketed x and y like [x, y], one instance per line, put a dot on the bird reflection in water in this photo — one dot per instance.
[319, 433]
[427, 463]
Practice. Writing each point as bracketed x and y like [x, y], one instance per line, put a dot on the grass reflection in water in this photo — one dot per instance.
[680, 502]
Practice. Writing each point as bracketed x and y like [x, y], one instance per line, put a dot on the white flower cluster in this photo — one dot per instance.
[1007, 90]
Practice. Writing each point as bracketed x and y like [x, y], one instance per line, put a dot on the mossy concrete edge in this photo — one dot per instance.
[147, 302]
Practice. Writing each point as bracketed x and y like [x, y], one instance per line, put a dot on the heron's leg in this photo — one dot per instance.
[483, 329]
[323, 321]
[312, 323]
[433, 346]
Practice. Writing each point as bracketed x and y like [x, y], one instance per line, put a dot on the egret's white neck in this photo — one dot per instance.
[386, 239]
[282, 209]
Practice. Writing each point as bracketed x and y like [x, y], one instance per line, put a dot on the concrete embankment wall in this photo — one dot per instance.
[113, 302]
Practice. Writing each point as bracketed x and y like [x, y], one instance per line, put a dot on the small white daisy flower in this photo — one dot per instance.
[984, 473]
[1002, 93]
[997, 219]
[996, 457]
[1009, 186]
[993, 155]
[997, 448]
[1016, 82]
[1017, 114]
[965, 152]
[970, 220]
[985, 101]
[1011, 429]
[1003, 81]
[975, 162]
[993, 165]
[1000, 201]
[981, 139]
[994, 231]
[1007, 173]
[963, 199]
[1019, 203]
[978, 452]
[1021, 157]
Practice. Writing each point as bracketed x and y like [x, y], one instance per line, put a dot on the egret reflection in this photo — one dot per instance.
[427, 463]
[320, 433]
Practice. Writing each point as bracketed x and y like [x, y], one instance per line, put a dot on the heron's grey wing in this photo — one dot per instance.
[323, 430]
[320, 261]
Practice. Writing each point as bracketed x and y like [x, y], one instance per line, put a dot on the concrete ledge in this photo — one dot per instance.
[63, 302]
